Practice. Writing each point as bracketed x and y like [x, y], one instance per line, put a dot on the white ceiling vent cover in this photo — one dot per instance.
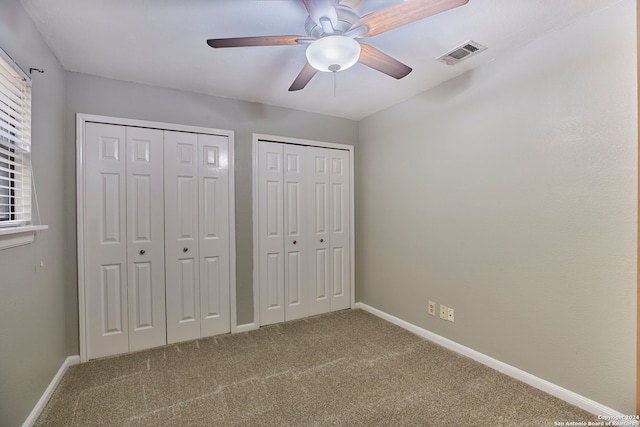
[462, 52]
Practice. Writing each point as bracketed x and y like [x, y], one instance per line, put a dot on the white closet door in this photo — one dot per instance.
[271, 223]
[214, 234]
[106, 241]
[318, 191]
[181, 236]
[296, 172]
[145, 238]
[304, 233]
[340, 229]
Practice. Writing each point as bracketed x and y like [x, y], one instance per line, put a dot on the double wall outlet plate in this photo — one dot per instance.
[432, 308]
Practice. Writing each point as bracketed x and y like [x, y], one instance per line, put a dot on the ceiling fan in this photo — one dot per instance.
[333, 32]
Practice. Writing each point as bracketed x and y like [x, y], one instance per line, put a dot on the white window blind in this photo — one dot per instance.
[15, 144]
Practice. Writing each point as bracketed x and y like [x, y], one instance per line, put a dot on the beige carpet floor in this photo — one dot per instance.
[347, 368]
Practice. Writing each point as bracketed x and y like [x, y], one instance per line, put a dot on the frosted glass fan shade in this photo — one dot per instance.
[333, 53]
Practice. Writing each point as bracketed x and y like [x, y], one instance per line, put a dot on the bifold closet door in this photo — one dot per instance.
[196, 235]
[124, 260]
[284, 272]
[329, 266]
[304, 242]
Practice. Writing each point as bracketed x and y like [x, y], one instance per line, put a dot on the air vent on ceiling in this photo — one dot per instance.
[462, 52]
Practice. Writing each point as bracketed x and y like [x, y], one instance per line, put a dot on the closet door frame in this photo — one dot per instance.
[81, 120]
[257, 138]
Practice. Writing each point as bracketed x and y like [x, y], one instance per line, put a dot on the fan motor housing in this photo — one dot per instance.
[346, 18]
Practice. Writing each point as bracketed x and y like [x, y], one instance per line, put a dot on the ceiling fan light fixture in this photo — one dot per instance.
[333, 53]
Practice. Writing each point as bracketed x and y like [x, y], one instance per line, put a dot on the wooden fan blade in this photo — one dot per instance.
[373, 58]
[403, 14]
[303, 78]
[256, 41]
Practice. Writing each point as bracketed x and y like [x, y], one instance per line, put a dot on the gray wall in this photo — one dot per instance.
[94, 95]
[32, 301]
[509, 194]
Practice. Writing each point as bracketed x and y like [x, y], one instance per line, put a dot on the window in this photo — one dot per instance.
[15, 144]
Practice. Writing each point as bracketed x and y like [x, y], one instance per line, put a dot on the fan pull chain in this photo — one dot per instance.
[335, 83]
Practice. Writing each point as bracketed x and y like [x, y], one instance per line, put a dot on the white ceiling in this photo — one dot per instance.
[163, 43]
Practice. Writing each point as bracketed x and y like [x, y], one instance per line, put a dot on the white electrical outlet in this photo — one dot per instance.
[444, 312]
[432, 308]
[450, 314]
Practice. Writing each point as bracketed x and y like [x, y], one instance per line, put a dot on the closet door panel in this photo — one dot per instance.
[340, 230]
[271, 239]
[145, 238]
[106, 240]
[212, 287]
[187, 305]
[181, 236]
[214, 234]
[141, 295]
[318, 230]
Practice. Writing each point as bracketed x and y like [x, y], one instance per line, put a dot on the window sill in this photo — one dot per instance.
[16, 236]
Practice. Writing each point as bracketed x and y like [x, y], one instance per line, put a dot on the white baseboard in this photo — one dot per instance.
[544, 385]
[37, 410]
[246, 327]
